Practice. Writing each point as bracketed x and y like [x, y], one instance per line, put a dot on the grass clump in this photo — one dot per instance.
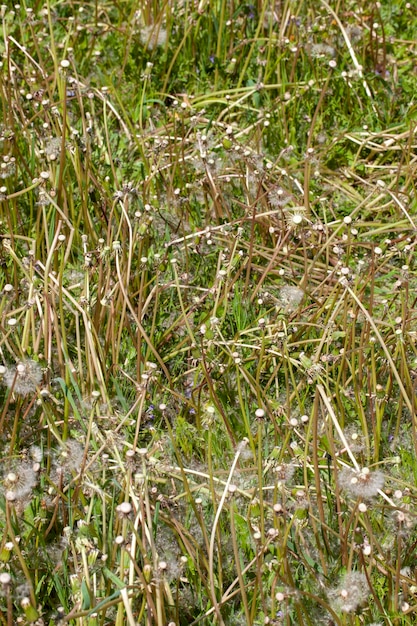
[207, 308]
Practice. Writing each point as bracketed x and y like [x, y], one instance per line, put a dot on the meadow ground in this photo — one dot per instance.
[208, 362]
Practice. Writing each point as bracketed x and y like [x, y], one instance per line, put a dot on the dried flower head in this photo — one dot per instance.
[24, 377]
[363, 484]
[295, 216]
[7, 166]
[350, 594]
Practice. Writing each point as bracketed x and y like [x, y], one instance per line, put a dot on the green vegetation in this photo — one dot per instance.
[208, 337]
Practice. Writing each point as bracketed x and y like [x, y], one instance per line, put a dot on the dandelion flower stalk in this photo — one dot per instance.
[214, 528]
[21, 558]
[384, 347]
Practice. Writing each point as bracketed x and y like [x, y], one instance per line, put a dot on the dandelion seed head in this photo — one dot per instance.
[24, 378]
[363, 484]
[153, 36]
[70, 457]
[284, 472]
[19, 483]
[350, 594]
[53, 148]
[402, 523]
[279, 198]
[290, 297]
[355, 442]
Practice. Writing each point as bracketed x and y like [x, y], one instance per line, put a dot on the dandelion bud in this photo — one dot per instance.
[300, 514]
[30, 611]
[6, 551]
[147, 573]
